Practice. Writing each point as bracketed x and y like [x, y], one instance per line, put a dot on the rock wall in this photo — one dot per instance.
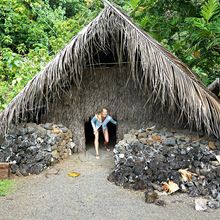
[151, 159]
[31, 148]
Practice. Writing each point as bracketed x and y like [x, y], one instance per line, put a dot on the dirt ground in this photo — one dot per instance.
[57, 196]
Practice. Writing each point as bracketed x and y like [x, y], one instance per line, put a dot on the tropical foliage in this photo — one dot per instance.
[33, 31]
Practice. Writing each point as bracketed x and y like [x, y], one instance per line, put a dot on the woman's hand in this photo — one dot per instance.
[95, 131]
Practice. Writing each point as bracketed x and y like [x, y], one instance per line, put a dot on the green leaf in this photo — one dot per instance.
[209, 9]
[134, 3]
[143, 21]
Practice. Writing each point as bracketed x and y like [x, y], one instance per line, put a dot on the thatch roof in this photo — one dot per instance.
[169, 79]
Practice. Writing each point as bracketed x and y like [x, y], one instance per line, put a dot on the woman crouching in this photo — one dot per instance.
[99, 123]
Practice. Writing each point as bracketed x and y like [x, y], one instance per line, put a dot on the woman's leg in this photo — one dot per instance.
[106, 136]
[96, 143]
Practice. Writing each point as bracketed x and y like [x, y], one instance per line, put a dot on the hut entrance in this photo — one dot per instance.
[89, 136]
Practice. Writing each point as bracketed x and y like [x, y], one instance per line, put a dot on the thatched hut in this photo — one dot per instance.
[113, 63]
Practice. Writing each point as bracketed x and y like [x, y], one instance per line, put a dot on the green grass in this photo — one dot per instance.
[6, 186]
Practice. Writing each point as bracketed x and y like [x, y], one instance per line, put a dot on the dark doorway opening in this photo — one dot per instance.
[89, 136]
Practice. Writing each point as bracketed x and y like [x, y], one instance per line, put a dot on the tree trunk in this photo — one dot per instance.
[215, 86]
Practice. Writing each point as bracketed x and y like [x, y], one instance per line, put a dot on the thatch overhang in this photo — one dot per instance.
[151, 67]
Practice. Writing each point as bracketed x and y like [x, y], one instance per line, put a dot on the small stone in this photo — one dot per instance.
[160, 202]
[14, 168]
[218, 197]
[71, 145]
[52, 171]
[48, 148]
[142, 135]
[23, 171]
[212, 145]
[214, 192]
[115, 151]
[69, 152]
[156, 187]
[40, 156]
[18, 173]
[55, 154]
[37, 168]
[169, 142]
[60, 125]
[111, 177]
[213, 204]
[204, 142]
[30, 130]
[214, 163]
[218, 158]
[156, 137]
[130, 138]
[121, 156]
[65, 155]
[146, 141]
[217, 144]
[52, 141]
[120, 143]
[56, 130]
[40, 140]
[48, 126]
[201, 204]
[151, 197]
[64, 129]
[168, 134]
[195, 144]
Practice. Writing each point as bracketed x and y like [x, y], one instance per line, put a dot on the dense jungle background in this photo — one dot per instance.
[33, 31]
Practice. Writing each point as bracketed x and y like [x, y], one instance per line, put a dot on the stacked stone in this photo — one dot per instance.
[30, 148]
[146, 158]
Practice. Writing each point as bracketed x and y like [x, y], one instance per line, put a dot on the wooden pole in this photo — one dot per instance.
[4, 170]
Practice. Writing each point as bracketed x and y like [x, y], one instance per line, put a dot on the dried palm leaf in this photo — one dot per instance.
[186, 175]
[170, 187]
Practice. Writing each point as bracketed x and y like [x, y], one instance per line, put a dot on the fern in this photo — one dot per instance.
[209, 9]
[134, 3]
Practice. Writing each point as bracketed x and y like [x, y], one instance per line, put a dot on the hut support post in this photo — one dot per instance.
[77, 129]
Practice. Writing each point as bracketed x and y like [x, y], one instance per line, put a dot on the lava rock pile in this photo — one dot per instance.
[30, 148]
[150, 159]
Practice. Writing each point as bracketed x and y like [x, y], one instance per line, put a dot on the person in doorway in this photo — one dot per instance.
[99, 123]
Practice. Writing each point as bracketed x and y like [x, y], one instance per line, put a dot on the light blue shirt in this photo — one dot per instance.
[96, 124]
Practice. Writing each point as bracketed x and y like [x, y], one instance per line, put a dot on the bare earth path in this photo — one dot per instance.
[89, 196]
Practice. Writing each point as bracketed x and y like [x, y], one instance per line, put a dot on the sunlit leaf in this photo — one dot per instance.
[209, 9]
[73, 174]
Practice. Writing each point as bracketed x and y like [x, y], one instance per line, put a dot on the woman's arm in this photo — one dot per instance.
[112, 120]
